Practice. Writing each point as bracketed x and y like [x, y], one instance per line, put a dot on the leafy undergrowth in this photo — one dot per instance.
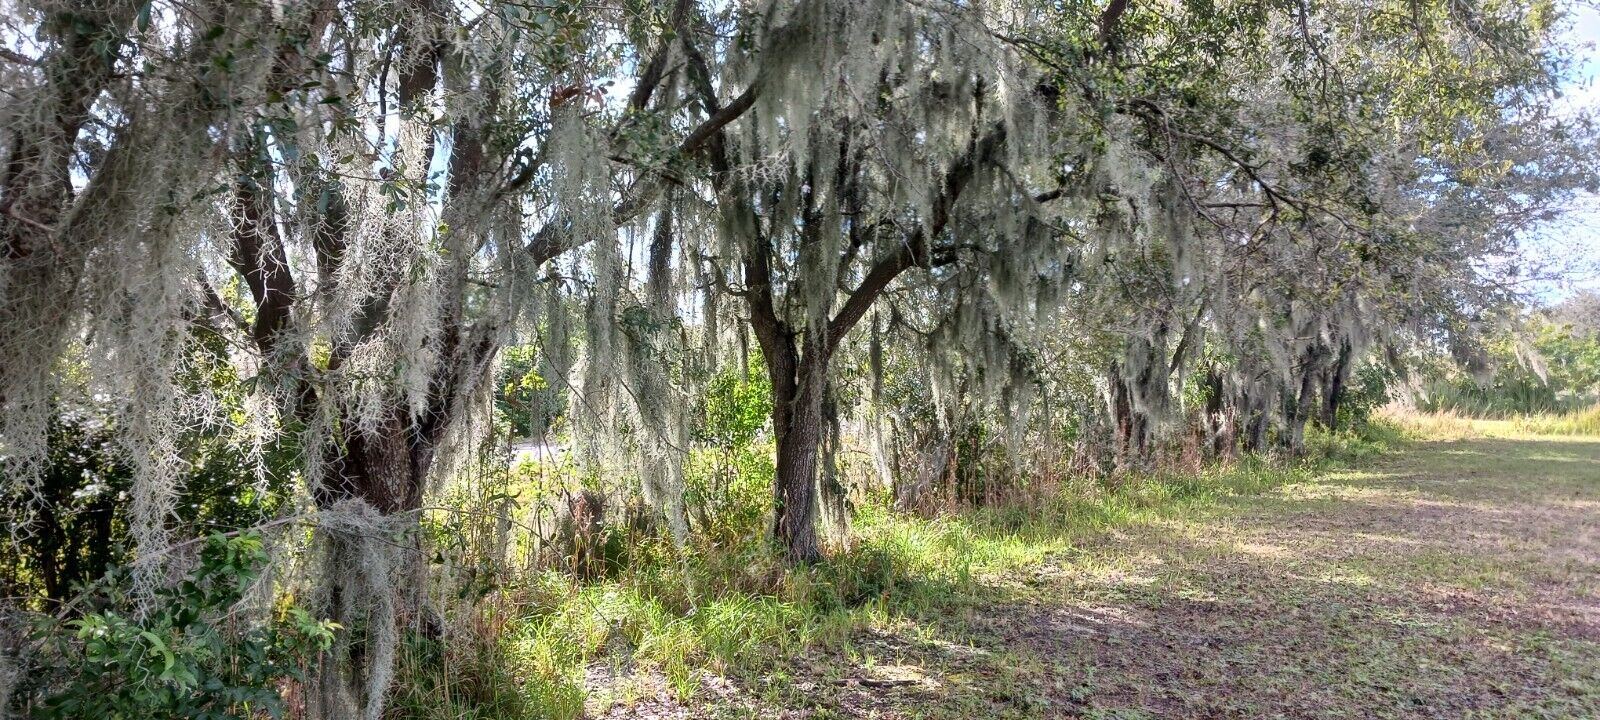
[1454, 579]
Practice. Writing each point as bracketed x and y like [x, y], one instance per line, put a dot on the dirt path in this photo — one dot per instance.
[1452, 580]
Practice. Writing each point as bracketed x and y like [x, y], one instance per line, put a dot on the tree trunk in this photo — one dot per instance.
[1122, 420]
[36, 195]
[371, 551]
[1253, 412]
[1130, 426]
[1219, 423]
[35, 182]
[1300, 406]
[387, 470]
[833, 495]
[1333, 388]
[797, 396]
[372, 560]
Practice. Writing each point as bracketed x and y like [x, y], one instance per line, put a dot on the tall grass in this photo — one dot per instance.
[1446, 425]
[1586, 422]
[1504, 399]
[1432, 425]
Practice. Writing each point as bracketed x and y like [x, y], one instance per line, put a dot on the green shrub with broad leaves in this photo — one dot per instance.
[185, 656]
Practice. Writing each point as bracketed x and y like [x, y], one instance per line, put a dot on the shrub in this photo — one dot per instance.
[179, 658]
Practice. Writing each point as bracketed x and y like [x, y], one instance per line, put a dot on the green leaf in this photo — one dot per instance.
[160, 646]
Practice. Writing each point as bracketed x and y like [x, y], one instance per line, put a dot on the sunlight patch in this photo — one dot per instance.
[1339, 576]
[1267, 550]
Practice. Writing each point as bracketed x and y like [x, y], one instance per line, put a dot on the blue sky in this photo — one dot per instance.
[1574, 242]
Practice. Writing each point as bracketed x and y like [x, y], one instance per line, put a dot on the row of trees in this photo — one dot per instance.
[306, 231]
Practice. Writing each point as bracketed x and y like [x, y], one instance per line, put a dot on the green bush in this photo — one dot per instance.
[735, 408]
[1368, 390]
[76, 513]
[728, 492]
[728, 481]
[180, 658]
[528, 402]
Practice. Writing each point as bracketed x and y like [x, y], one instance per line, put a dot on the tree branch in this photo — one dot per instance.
[657, 67]
[1109, 20]
[720, 119]
[15, 57]
[258, 256]
[553, 240]
[915, 250]
[218, 308]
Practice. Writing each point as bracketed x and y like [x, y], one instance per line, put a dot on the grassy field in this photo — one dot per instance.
[1456, 574]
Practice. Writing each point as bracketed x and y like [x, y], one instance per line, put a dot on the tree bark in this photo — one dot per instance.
[387, 470]
[832, 493]
[36, 195]
[1333, 388]
[35, 183]
[1253, 412]
[1299, 407]
[797, 396]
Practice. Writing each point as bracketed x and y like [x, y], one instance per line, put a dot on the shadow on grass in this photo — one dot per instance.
[1457, 580]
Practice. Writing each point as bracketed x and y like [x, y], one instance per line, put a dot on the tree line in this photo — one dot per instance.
[265, 260]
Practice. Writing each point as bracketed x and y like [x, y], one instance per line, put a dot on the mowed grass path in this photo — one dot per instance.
[1450, 579]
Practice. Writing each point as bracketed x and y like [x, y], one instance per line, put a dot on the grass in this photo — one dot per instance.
[552, 646]
[1447, 579]
[1455, 426]
[1586, 422]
